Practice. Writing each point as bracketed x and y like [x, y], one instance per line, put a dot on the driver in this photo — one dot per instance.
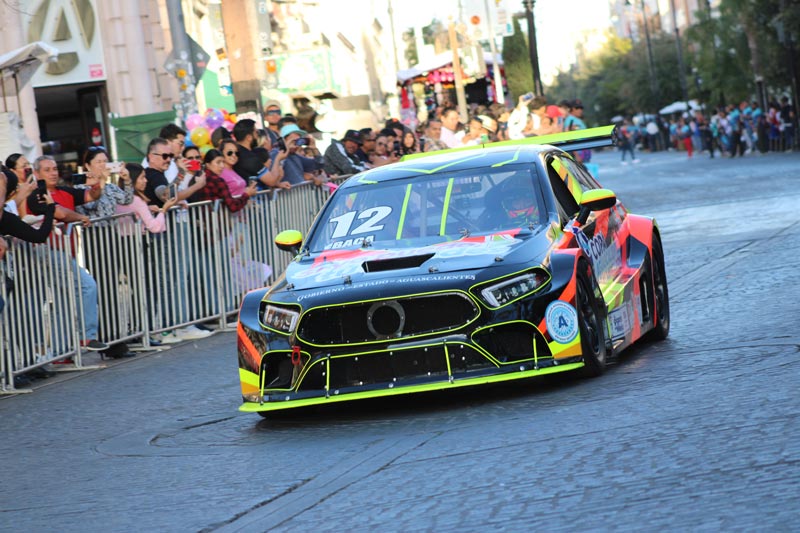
[518, 202]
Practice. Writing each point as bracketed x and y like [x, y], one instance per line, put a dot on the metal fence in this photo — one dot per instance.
[129, 283]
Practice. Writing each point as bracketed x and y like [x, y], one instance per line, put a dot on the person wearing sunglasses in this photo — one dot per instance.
[230, 157]
[159, 158]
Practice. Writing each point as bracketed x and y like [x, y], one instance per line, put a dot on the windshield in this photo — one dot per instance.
[423, 210]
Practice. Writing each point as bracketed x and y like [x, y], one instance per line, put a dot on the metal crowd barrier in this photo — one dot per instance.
[196, 271]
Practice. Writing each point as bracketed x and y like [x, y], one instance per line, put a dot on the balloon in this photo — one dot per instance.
[232, 117]
[228, 125]
[189, 142]
[205, 148]
[200, 136]
[214, 118]
[194, 120]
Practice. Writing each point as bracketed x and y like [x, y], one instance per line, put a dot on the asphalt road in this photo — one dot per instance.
[699, 432]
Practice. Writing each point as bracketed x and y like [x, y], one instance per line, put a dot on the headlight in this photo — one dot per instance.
[512, 289]
[280, 318]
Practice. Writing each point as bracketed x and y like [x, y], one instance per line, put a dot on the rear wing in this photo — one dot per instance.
[567, 141]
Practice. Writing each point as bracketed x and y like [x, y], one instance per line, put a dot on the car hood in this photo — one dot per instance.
[426, 263]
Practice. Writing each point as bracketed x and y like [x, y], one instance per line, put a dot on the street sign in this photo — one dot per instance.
[503, 25]
[199, 59]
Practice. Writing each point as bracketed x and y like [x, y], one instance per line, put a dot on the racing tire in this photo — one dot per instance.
[660, 294]
[590, 324]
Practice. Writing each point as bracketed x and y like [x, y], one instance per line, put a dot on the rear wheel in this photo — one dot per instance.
[660, 293]
[591, 326]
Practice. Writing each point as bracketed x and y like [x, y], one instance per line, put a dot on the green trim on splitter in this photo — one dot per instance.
[254, 407]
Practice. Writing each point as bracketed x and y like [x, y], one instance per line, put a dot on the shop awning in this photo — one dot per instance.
[436, 62]
[17, 66]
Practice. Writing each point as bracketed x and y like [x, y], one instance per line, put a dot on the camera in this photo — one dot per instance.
[193, 165]
[302, 141]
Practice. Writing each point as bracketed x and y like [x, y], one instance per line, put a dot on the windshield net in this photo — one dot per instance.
[423, 210]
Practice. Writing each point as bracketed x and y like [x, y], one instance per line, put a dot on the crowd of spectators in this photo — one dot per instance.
[728, 131]
[248, 159]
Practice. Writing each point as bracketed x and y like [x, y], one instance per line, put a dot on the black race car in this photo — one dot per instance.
[452, 269]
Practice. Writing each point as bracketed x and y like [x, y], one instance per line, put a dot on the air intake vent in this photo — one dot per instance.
[381, 265]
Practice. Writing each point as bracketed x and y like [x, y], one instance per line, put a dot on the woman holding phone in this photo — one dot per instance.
[98, 170]
[230, 156]
[20, 185]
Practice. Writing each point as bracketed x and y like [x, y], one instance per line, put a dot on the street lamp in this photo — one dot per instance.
[534, 54]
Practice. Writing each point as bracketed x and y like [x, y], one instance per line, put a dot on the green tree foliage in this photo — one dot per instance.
[519, 75]
[725, 53]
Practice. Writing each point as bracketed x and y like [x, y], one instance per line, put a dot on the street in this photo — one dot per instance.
[700, 432]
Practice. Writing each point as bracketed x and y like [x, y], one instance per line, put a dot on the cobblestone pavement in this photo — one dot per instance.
[699, 432]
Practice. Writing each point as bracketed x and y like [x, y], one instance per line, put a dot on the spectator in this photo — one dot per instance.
[246, 136]
[450, 123]
[175, 137]
[230, 157]
[16, 201]
[409, 143]
[341, 158]
[574, 121]
[367, 145]
[14, 226]
[95, 161]
[216, 188]
[383, 155]
[626, 143]
[297, 168]
[67, 198]
[272, 115]
[157, 191]
[520, 118]
[153, 219]
[481, 130]
[431, 141]
[788, 120]
[159, 158]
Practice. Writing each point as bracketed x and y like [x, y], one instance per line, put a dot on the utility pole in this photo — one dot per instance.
[650, 62]
[184, 67]
[460, 95]
[239, 20]
[681, 68]
[538, 89]
[498, 78]
[394, 39]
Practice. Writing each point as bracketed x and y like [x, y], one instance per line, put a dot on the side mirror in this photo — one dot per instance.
[289, 240]
[595, 200]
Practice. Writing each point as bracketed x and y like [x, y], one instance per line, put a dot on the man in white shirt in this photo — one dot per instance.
[450, 121]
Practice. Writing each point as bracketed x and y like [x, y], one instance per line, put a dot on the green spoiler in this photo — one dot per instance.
[567, 141]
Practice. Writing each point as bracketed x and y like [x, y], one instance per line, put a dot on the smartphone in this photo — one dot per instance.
[28, 172]
[527, 96]
[172, 191]
[302, 141]
[193, 165]
[114, 166]
[281, 144]
[396, 147]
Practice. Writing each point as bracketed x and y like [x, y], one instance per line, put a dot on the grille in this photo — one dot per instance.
[396, 367]
[362, 322]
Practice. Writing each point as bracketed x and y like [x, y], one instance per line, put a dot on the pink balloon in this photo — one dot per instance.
[228, 125]
[194, 120]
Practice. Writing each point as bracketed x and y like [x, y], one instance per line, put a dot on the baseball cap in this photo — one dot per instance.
[353, 135]
[488, 123]
[292, 128]
[577, 104]
[272, 103]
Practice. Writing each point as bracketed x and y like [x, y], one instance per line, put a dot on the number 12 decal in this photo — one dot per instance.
[373, 216]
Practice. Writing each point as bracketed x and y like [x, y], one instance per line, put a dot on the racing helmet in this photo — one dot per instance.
[518, 199]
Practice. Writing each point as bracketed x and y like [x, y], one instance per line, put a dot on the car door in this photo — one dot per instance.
[599, 237]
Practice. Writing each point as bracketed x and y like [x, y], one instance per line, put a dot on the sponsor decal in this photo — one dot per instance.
[327, 269]
[562, 321]
[621, 320]
[604, 258]
[384, 282]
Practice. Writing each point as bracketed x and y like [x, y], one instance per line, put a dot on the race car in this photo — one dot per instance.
[453, 269]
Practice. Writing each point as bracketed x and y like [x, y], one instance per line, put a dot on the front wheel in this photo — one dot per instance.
[661, 294]
[591, 326]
